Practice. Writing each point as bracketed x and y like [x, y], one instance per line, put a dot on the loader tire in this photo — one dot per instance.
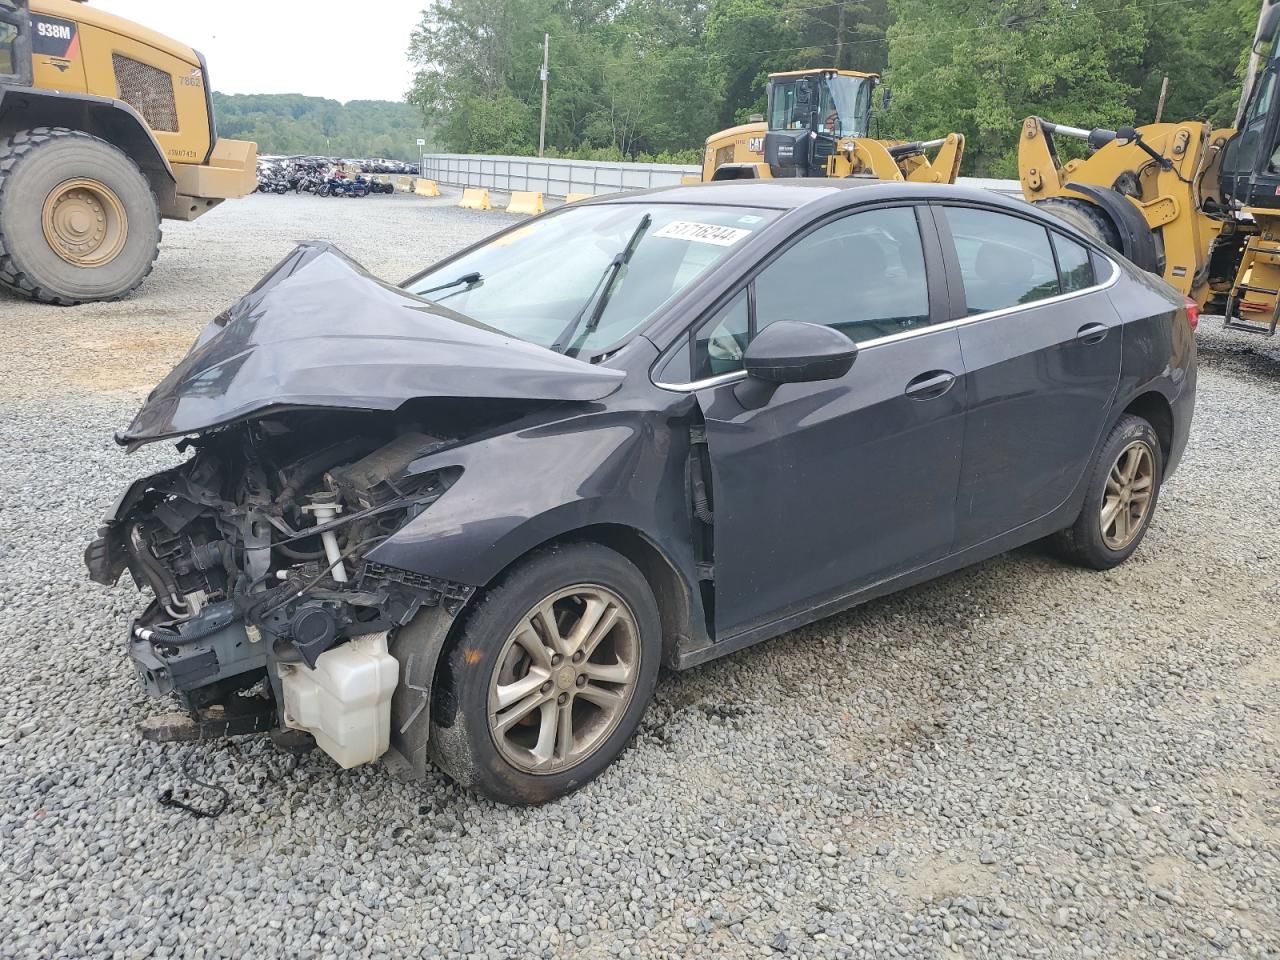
[1085, 217]
[78, 220]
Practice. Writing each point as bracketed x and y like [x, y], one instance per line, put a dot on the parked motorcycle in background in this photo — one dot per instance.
[328, 176]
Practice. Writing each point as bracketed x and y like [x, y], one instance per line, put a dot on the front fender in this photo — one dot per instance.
[520, 489]
[112, 120]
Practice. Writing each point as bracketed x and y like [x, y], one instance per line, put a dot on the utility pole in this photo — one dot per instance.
[840, 39]
[542, 123]
[1164, 92]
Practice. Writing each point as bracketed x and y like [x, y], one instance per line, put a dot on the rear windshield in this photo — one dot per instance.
[544, 281]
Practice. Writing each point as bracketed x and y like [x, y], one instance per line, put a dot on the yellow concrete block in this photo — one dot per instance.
[525, 201]
[575, 197]
[690, 178]
[404, 183]
[425, 188]
[475, 198]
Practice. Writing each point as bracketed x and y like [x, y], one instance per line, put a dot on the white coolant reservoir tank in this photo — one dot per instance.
[345, 702]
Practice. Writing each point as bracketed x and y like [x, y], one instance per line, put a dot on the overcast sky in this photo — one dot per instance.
[323, 48]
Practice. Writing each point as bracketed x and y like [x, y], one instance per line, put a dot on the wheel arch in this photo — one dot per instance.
[1137, 239]
[1153, 407]
[678, 604]
[741, 171]
[113, 121]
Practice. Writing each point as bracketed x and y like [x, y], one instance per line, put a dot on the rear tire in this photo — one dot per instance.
[1117, 512]
[37, 235]
[507, 691]
[1084, 216]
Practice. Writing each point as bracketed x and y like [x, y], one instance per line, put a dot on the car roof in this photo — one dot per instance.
[796, 192]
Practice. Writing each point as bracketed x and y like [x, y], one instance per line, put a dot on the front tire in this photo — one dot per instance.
[550, 676]
[78, 220]
[1124, 485]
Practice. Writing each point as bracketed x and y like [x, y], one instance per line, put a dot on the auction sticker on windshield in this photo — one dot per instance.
[702, 232]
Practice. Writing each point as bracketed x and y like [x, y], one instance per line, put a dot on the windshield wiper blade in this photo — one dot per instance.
[599, 298]
[469, 279]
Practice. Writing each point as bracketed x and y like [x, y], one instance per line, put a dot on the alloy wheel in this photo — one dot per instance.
[564, 678]
[1127, 500]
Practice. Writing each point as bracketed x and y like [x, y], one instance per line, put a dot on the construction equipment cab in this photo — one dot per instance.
[105, 128]
[1196, 205]
[818, 125]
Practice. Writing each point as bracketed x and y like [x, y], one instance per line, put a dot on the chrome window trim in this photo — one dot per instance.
[735, 375]
[693, 385]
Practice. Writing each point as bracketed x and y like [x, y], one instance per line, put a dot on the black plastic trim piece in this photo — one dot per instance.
[208, 107]
[1136, 237]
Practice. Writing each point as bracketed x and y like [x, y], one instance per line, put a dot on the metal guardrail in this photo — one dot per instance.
[551, 177]
[557, 178]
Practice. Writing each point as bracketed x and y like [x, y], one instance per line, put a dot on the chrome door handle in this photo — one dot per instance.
[1093, 333]
[929, 385]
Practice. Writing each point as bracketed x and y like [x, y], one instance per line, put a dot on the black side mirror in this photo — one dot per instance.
[788, 351]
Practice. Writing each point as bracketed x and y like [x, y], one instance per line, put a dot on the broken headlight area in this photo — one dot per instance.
[267, 612]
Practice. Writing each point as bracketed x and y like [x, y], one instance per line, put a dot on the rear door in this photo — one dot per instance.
[833, 486]
[1042, 354]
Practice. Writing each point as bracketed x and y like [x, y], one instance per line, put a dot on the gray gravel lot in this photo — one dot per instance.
[1021, 759]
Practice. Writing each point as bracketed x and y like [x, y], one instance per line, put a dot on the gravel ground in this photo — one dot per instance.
[1021, 759]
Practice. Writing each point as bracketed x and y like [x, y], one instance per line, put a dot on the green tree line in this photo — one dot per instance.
[652, 78]
[290, 123]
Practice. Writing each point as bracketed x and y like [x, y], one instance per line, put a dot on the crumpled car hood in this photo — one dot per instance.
[319, 331]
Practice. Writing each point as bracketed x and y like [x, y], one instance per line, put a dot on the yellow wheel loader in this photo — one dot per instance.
[1198, 206]
[105, 128]
[818, 125]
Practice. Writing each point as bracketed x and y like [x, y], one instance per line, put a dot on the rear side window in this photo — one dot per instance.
[1074, 266]
[1005, 261]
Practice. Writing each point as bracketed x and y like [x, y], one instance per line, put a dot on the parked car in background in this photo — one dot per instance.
[466, 518]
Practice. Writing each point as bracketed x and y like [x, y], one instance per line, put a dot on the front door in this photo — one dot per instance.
[1042, 360]
[834, 486]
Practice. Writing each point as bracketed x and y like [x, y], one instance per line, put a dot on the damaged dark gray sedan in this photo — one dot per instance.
[466, 518]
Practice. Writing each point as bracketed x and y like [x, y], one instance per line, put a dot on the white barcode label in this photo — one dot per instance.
[702, 232]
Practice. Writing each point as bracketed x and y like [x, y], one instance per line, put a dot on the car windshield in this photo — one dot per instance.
[544, 282]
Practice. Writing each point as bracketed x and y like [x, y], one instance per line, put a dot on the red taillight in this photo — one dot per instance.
[1193, 312]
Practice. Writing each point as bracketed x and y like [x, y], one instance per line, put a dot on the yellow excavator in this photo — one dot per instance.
[818, 125]
[105, 128]
[1196, 205]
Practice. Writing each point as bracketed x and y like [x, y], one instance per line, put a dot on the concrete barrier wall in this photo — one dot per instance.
[558, 178]
[553, 178]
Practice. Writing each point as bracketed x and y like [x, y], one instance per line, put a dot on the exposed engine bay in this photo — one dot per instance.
[255, 550]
